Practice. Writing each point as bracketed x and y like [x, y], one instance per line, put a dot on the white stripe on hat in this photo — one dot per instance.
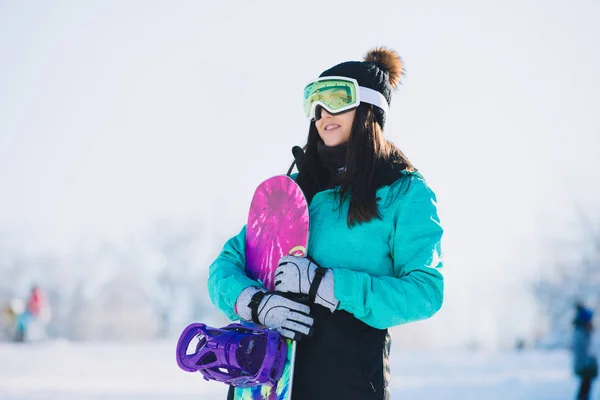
[371, 96]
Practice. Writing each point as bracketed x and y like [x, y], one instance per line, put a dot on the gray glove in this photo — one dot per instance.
[297, 275]
[291, 319]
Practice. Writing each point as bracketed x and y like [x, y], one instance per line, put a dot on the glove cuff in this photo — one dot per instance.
[325, 294]
[254, 303]
[314, 286]
[242, 304]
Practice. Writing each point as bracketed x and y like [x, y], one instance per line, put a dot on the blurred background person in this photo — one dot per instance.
[12, 320]
[37, 315]
[585, 364]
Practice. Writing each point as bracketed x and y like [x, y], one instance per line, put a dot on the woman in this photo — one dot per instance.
[374, 254]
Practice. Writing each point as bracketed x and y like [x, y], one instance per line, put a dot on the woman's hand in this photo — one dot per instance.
[291, 319]
[304, 276]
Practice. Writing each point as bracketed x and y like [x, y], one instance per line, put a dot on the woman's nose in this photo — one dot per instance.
[320, 113]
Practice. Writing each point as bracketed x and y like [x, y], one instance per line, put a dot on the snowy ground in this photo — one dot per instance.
[94, 371]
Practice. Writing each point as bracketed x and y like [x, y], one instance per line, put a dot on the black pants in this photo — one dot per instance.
[584, 389]
[344, 359]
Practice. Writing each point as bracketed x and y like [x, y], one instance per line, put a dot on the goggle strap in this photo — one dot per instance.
[373, 97]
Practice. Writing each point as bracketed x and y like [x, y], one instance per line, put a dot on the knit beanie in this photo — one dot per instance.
[380, 70]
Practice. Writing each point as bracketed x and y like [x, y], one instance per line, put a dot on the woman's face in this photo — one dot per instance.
[335, 129]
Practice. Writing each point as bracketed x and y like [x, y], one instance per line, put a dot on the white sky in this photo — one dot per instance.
[115, 114]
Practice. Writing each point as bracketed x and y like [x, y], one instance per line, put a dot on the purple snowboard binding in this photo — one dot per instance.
[237, 355]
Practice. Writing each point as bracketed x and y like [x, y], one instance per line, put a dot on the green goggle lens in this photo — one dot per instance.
[333, 94]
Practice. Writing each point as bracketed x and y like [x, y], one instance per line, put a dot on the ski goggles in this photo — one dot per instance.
[338, 94]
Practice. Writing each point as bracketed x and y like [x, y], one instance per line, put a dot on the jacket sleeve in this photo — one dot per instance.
[226, 275]
[415, 292]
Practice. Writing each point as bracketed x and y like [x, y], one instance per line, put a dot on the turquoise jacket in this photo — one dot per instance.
[387, 271]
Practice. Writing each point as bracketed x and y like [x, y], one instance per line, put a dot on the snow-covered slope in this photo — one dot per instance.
[111, 371]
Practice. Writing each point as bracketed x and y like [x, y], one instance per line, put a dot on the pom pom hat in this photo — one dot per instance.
[381, 70]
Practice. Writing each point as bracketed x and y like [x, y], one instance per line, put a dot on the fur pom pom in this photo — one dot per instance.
[388, 60]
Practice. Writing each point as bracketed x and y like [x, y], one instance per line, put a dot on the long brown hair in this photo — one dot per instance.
[369, 153]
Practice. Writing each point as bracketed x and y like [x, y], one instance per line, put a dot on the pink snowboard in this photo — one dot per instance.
[277, 226]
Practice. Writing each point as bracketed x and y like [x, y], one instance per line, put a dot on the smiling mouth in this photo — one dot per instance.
[331, 127]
